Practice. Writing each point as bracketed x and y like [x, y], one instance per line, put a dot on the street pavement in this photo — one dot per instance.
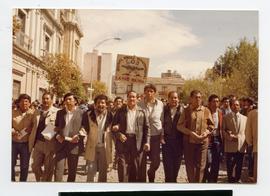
[112, 174]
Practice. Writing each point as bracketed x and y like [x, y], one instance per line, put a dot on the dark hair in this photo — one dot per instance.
[116, 98]
[48, 93]
[250, 100]
[70, 94]
[213, 96]
[24, 96]
[132, 91]
[194, 92]
[225, 98]
[232, 101]
[100, 97]
[151, 86]
[172, 92]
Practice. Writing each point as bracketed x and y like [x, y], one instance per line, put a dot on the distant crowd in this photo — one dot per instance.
[127, 134]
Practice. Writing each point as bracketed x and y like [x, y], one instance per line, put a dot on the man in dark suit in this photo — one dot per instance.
[215, 142]
[68, 124]
[172, 147]
[131, 128]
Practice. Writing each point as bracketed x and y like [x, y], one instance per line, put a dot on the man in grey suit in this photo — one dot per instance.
[68, 124]
[234, 125]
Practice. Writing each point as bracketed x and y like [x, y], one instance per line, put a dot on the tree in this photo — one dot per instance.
[99, 88]
[63, 75]
[239, 65]
[234, 72]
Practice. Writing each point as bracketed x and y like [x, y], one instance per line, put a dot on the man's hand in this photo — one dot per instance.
[146, 147]
[75, 139]
[205, 134]
[60, 138]
[115, 128]
[162, 141]
[28, 129]
[122, 137]
[196, 137]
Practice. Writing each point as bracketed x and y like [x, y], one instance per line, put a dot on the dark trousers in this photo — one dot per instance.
[250, 161]
[234, 159]
[20, 149]
[72, 161]
[213, 160]
[172, 155]
[130, 162]
[195, 160]
[154, 156]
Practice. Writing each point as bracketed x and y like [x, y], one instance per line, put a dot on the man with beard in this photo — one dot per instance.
[98, 150]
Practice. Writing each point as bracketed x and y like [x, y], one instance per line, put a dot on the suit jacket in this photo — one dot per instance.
[252, 129]
[170, 124]
[50, 118]
[60, 123]
[220, 125]
[89, 124]
[198, 121]
[21, 121]
[229, 124]
[142, 129]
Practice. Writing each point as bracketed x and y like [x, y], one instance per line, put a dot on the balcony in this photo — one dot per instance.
[23, 41]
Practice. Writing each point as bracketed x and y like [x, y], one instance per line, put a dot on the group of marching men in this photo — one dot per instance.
[131, 134]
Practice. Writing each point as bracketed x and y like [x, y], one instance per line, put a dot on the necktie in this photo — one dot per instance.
[237, 121]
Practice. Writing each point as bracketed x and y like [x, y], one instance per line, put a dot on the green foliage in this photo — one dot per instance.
[99, 88]
[63, 75]
[235, 72]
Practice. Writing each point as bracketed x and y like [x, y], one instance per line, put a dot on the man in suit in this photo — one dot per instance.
[251, 134]
[44, 149]
[215, 142]
[68, 124]
[97, 122]
[22, 125]
[197, 124]
[154, 112]
[172, 145]
[131, 128]
[234, 125]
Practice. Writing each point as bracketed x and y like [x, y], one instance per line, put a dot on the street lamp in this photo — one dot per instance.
[105, 40]
[92, 60]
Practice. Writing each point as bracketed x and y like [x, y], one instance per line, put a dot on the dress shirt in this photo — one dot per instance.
[131, 119]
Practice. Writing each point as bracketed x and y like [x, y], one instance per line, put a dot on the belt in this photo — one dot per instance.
[130, 134]
[100, 145]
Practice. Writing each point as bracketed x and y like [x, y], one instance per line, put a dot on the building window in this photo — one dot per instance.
[47, 43]
[76, 52]
[164, 88]
[129, 87]
[59, 45]
[40, 93]
[16, 89]
[22, 19]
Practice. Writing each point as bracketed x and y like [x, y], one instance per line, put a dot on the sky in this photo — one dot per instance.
[188, 42]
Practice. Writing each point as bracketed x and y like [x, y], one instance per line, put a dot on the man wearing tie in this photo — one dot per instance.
[234, 125]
